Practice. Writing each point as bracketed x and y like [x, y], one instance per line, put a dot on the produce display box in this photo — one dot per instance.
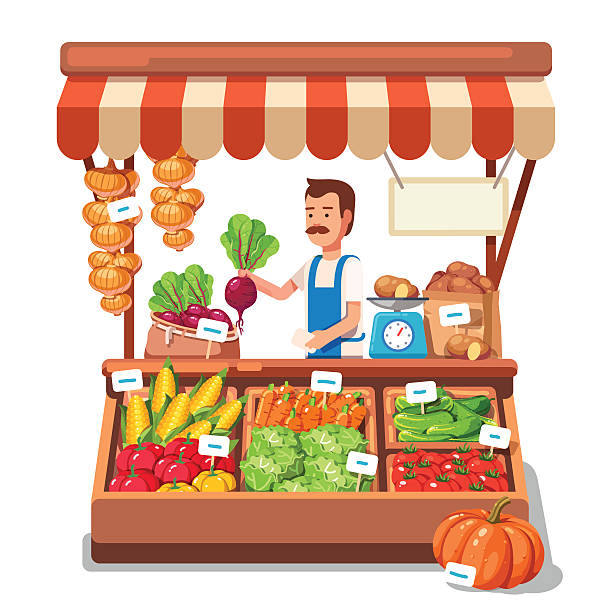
[390, 394]
[367, 428]
[250, 527]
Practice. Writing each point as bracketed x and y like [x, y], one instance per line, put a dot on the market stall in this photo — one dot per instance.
[181, 103]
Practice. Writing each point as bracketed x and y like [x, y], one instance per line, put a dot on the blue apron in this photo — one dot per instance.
[325, 308]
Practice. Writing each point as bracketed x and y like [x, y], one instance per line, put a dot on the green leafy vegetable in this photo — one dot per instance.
[197, 285]
[332, 439]
[246, 242]
[175, 292]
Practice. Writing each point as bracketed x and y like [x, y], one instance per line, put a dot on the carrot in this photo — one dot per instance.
[301, 401]
[344, 418]
[329, 414]
[357, 414]
[311, 417]
[294, 422]
[279, 411]
[345, 398]
[287, 388]
[265, 403]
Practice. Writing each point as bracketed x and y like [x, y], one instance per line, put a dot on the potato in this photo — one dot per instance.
[484, 282]
[436, 276]
[462, 269]
[441, 284]
[462, 346]
[391, 286]
[460, 284]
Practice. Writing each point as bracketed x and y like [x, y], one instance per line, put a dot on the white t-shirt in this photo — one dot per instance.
[352, 291]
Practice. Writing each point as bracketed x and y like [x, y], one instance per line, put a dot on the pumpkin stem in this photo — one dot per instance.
[497, 508]
[111, 164]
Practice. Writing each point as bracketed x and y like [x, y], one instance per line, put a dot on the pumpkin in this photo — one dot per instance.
[129, 261]
[504, 549]
[178, 240]
[116, 304]
[100, 258]
[106, 182]
[172, 216]
[111, 236]
[173, 171]
[95, 213]
[110, 280]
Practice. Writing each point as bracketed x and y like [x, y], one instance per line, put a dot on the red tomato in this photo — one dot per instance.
[463, 477]
[433, 458]
[451, 464]
[141, 456]
[493, 481]
[464, 452]
[173, 467]
[189, 448]
[410, 454]
[426, 470]
[484, 462]
[399, 471]
[441, 484]
[225, 464]
[140, 481]
[408, 483]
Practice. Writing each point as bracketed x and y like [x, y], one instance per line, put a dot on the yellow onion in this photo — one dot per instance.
[178, 240]
[116, 304]
[184, 155]
[133, 180]
[163, 194]
[173, 171]
[106, 182]
[172, 216]
[110, 280]
[111, 236]
[194, 198]
[95, 213]
[129, 261]
[132, 221]
[100, 258]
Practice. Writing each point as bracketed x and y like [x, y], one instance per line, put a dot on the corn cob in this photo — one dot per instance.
[228, 414]
[136, 419]
[197, 429]
[207, 394]
[176, 414]
[164, 385]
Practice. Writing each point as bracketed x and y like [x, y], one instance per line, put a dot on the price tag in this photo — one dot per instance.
[122, 210]
[215, 446]
[215, 331]
[327, 382]
[127, 380]
[496, 437]
[421, 392]
[362, 463]
[457, 573]
[455, 314]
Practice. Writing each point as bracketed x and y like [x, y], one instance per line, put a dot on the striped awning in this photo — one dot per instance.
[323, 113]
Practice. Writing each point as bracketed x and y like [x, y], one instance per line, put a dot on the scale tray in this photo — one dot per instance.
[397, 304]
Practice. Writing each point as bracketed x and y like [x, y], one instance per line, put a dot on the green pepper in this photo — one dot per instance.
[418, 423]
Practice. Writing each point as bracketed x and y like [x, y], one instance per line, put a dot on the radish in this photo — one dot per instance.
[240, 293]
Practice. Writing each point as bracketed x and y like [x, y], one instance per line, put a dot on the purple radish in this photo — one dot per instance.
[169, 317]
[240, 293]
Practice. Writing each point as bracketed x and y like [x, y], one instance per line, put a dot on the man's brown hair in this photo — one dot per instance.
[346, 196]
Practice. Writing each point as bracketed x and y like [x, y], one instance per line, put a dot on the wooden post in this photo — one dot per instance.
[491, 241]
[128, 316]
[515, 214]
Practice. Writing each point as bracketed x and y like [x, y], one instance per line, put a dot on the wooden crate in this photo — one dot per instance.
[390, 394]
[367, 427]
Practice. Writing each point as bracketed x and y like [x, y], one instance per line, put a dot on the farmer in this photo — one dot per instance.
[331, 282]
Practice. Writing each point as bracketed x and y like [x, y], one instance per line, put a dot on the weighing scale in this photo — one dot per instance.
[398, 334]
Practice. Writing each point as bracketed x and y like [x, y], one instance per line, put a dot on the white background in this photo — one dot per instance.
[55, 337]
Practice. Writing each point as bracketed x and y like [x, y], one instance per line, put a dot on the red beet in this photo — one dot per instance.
[216, 314]
[240, 293]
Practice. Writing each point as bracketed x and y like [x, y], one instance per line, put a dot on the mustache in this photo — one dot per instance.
[317, 229]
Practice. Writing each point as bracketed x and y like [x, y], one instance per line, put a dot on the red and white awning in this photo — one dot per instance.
[324, 114]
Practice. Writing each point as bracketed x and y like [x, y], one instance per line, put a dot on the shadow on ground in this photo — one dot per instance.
[549, 577]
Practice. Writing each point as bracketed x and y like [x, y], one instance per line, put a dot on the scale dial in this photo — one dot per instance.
[398, 335]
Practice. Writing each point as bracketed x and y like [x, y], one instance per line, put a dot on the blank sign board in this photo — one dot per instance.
[448, 207]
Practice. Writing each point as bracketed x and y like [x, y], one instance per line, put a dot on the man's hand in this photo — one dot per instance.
[320, 339]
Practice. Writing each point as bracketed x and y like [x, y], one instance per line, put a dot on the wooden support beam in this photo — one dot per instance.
[491, 241]
[128, 316]
[513, 220]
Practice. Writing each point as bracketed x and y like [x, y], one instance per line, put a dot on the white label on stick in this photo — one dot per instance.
[212, 330]
[122, 210]
[457, 573]
[362, 463]
[215, 446]
[490, 435]
[330, 382]
[455, 314]
[127, 380]
[421, 392]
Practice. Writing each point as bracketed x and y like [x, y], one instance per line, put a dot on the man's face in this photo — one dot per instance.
[324, 225]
